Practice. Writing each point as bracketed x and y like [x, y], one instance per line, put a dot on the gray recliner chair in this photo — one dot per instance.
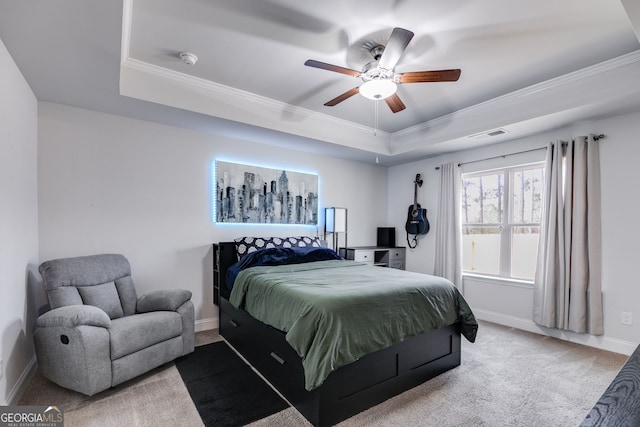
[98, 333]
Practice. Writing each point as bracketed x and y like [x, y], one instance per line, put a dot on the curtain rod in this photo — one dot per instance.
[597, 137]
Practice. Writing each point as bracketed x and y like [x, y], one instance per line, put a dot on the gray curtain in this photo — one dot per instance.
[567, 288]
[448, 262]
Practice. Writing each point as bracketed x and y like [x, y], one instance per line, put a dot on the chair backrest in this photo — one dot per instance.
[101, 280]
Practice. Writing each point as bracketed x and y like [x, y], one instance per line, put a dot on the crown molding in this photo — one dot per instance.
[127, 21]
[137, 80]
[242, 106]
[518, 96]
[565, 92]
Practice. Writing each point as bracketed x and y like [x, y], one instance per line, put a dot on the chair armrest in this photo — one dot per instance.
[75, 315]
[162, 300]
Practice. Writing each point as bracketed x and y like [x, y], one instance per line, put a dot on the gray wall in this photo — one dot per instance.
[18, 224]
[511, 303]
[112, 184]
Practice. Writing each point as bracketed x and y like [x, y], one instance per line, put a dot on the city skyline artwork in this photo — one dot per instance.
[261, 195]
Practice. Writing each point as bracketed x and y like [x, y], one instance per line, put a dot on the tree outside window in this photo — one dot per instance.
[501, 212]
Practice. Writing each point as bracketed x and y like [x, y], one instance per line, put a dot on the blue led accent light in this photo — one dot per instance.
[257, 195]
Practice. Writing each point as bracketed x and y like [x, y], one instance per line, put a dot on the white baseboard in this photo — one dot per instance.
[17, 390]
[206, 324]
[602, 342]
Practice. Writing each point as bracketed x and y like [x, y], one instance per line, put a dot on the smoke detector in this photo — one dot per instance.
[188, 58]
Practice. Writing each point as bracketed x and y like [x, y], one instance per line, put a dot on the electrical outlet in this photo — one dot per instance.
[625, 319]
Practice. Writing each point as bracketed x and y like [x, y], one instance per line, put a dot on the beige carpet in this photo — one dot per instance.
[507, 378]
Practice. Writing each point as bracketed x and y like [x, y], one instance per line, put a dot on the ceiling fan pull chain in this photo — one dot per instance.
[375, 120]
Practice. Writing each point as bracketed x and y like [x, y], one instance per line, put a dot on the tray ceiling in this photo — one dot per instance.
[527, 66]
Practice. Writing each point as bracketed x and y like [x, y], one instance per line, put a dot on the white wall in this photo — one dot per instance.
[511, 304]
[18, 225]
[112, 184]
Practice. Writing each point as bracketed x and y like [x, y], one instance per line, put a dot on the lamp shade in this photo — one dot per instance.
[335, 220]
[378, 89]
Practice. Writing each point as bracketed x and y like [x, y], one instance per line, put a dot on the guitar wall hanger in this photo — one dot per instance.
[417, 223]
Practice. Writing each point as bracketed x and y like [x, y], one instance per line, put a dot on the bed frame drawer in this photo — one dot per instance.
[369, 372]
[443, 344]
[235, 328]
[264, 346]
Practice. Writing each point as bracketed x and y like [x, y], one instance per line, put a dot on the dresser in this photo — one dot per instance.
[376, 255]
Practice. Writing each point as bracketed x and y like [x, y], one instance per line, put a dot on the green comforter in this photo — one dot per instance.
[334, 312]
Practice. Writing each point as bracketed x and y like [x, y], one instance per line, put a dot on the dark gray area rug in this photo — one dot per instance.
[224, 389]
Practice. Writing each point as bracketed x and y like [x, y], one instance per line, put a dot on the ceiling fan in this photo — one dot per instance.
[380, 79]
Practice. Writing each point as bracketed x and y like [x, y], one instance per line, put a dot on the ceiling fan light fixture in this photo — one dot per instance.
[378, 89]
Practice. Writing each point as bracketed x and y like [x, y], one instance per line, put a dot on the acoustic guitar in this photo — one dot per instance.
[417, 222]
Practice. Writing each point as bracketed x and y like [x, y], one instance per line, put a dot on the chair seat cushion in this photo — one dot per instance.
[129, 334]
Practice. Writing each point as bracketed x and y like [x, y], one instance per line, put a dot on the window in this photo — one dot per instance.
[501, 212]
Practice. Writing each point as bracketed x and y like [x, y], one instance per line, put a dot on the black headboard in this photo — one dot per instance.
[227, 257]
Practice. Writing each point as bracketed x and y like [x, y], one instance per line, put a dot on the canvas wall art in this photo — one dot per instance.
[260, 195]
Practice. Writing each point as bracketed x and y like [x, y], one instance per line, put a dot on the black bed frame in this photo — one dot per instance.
[350, 389]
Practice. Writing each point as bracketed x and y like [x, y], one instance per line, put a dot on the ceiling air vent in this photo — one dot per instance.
[488, 134]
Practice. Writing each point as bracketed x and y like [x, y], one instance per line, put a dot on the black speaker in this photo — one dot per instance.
[386, 237]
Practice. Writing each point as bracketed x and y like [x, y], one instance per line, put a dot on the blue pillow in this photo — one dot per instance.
[278, 256]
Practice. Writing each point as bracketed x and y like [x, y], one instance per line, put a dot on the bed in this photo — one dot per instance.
[337, 375]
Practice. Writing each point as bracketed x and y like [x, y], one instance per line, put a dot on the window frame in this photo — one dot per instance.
[507, 225]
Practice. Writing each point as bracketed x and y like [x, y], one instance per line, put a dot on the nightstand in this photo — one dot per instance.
[375, 255]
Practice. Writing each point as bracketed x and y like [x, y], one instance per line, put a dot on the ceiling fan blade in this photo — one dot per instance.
[340, 98]
[395, 103]
[429, 76]
[331, 67]
[395, 47]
